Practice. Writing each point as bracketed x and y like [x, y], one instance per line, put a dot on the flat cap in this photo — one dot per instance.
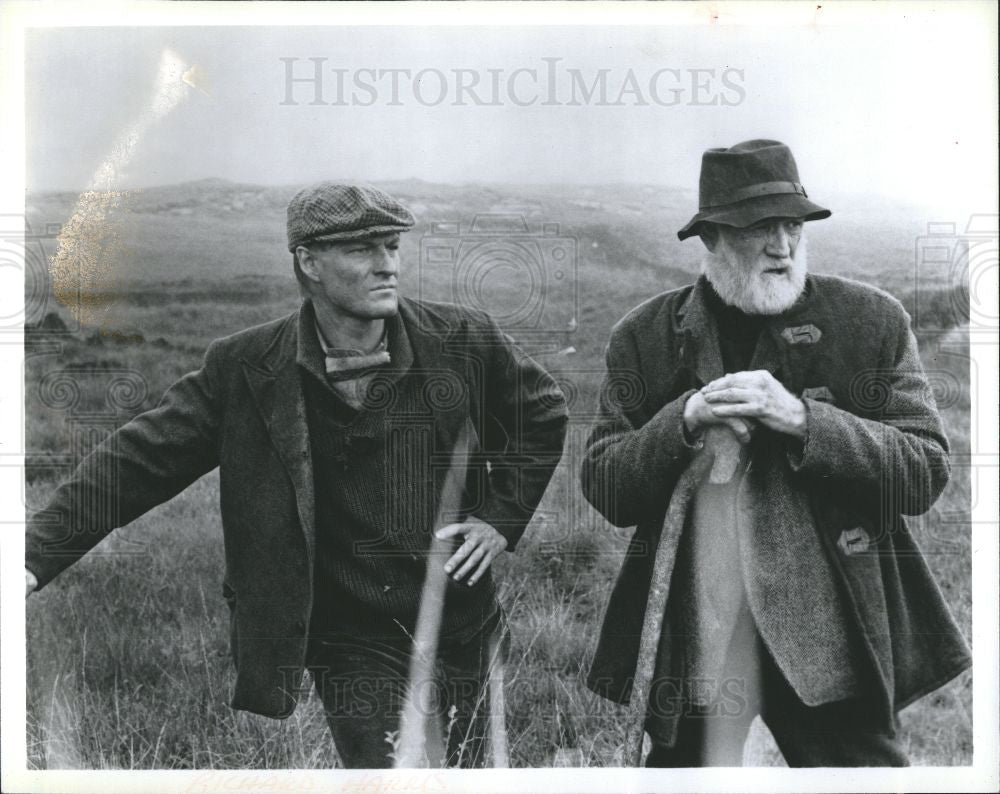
[331, 211]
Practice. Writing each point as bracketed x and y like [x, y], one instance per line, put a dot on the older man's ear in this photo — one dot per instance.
[709, 234]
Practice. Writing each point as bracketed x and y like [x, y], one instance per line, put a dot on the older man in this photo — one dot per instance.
[345, 434]
[797, 592]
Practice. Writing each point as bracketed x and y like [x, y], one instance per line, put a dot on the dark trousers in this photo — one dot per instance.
[363, 679]
[844, 733]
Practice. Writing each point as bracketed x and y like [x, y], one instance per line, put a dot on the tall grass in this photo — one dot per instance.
[128, 660]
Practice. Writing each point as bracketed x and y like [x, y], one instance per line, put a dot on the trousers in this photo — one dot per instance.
[843, 733]
[362, 682]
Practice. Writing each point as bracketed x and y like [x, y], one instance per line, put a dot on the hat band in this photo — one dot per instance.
[761, 189]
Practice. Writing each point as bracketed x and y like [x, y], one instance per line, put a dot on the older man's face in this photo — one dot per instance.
[760, 269]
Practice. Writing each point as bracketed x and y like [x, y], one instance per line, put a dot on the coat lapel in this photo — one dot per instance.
[769, 353]
[276, 384]
[429, 337]
[788, 344]
[442, 360]
[700, 352]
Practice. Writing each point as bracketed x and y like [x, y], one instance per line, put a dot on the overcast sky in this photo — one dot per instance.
[905, 110]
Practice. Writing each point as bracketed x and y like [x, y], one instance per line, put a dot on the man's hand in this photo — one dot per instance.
[30, 583]
[699, 415]
[760, 397]
[482, 544]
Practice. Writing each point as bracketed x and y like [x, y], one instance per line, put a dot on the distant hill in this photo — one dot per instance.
[222, 229]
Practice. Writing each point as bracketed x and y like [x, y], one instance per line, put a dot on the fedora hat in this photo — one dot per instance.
[749, 182]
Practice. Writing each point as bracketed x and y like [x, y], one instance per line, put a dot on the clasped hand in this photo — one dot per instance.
[744, 399]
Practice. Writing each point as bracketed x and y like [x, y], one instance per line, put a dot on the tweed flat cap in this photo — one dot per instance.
[331, 211]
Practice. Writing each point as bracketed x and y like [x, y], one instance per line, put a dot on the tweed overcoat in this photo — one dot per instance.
[244, 411]
[875, 451]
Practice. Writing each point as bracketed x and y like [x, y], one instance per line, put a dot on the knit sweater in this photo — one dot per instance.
[377, 497]
[738, 331]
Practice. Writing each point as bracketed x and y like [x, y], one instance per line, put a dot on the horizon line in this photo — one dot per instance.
[869, 195]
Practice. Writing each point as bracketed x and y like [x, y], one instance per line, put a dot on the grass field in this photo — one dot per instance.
[128, 662]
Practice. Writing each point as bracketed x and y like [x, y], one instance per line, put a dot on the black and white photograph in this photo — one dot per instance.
[500, 396]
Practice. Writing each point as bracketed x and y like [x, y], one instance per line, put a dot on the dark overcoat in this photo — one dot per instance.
[875, 451]
[244, 411]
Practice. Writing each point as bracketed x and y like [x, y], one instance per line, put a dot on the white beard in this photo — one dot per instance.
[746, 286]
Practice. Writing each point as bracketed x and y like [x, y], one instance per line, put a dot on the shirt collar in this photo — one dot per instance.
[312, 348]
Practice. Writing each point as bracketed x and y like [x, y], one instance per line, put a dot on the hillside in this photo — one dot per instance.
[224, 229]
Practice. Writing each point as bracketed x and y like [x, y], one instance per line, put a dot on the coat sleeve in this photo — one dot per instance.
[143, 464]
[630, 465]
[899, 457]
[523, 434]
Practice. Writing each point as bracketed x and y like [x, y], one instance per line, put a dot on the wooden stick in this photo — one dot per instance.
[498, 718]
[720, 453]
[412, 750]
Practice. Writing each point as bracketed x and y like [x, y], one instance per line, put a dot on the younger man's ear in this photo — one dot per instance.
[709, 234]
[307, 264]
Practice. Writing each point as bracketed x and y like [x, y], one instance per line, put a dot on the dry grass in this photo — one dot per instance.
[128, 662]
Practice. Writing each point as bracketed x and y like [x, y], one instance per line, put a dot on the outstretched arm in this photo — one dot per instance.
[144, 463]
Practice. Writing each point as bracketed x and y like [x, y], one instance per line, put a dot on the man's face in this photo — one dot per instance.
[356, 278]
[760, 269]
